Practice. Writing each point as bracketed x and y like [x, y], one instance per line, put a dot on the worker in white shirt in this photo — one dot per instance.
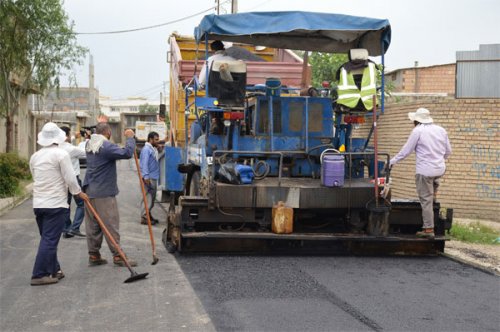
[52, 175]
[86, 138]
[75, 153]
[220, 54]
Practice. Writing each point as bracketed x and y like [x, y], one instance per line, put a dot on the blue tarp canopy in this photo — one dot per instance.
[333, 33]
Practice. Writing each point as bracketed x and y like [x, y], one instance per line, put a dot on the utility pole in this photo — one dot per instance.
[217, 6]
[234, 6]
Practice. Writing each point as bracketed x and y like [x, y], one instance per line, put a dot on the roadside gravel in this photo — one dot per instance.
[481, 255]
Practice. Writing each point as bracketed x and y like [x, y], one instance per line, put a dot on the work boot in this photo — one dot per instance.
[47, 280]
[117, 260]
[96, 259]
[426, 233]
[144, 221]
[59, 275]
[77, 233]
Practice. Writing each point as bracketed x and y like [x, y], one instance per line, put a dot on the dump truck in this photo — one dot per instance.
[271, 169]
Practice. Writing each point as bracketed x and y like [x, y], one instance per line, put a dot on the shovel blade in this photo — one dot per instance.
[136, 276]
[155, 260]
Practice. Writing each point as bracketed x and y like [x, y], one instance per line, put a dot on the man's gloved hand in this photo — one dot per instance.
[387, 189]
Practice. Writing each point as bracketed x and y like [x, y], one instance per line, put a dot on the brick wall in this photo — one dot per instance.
[440, 78]
[471, 185]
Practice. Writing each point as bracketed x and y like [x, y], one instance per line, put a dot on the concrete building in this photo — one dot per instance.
[75, 107]
[123, 113]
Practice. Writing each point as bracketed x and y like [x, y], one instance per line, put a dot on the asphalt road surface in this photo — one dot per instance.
[242, 293]
[233, 293]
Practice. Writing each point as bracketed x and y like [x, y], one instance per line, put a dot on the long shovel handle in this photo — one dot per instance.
[108, 235]
[146, 207]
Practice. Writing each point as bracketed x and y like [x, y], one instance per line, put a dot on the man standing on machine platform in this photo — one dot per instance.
[432, 147]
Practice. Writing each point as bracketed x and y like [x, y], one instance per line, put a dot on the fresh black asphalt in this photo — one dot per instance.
[257, 293]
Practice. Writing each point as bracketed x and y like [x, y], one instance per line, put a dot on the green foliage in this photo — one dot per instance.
[37, 46]
[13, 169]
[325, 66]
[474, 233]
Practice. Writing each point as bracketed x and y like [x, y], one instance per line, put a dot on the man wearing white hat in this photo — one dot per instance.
[53, 175]
[432, 147]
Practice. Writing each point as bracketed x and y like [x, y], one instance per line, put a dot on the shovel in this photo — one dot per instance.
[133, 275]
[146, 207]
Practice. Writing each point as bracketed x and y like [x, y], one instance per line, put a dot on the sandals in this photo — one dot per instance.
[117, 260]
[95, 260]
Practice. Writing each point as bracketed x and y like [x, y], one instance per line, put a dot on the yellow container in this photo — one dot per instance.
[282, 219]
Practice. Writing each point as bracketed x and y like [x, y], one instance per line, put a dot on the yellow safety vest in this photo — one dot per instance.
[348, 92]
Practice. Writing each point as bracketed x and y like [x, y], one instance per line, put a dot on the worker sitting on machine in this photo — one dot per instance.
[219, 54]
[226, 82]
[357, 82]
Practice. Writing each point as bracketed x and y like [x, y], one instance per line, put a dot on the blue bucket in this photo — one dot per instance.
[273, 86]
[332, 171]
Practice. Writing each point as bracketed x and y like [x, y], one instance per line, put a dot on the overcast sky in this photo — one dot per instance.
[134, 63]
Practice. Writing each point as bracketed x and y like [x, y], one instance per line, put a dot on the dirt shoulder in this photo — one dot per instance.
[481, 255]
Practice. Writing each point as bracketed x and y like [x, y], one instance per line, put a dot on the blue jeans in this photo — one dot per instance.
[79, 212]
[50, 224]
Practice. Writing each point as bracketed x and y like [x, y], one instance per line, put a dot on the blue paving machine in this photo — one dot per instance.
[252, 147]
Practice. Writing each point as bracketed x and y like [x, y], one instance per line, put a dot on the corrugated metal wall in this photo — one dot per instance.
[478, 72]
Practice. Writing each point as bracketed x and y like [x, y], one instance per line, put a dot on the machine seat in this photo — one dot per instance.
[227, 82]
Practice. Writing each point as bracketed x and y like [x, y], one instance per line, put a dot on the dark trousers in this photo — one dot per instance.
[50, 224]
[79, 213]
[150, 197]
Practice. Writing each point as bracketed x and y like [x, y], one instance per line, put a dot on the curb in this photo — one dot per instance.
[471, 264]
[6, 204]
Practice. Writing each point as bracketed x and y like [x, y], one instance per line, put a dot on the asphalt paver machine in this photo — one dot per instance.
[257, 149]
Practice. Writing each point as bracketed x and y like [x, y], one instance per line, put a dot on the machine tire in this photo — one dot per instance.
[194, 186]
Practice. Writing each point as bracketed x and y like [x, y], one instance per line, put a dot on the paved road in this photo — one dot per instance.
[344, 293]
[247, 293]
[95, 298]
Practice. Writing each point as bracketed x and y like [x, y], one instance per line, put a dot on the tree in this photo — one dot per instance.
[37, 46]
[325, 66]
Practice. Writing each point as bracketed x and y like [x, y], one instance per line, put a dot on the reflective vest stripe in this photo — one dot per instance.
[345, 85]
[369, 87]
[350, 95]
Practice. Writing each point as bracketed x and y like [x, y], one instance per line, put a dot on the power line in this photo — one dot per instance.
[148, 27]
[257, 6]
[142, 91]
